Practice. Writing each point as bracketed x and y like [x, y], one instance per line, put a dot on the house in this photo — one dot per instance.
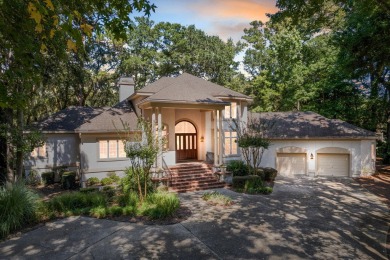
[195, 117]
[306, 143]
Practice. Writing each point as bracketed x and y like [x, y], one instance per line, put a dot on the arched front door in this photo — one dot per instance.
[186, 141]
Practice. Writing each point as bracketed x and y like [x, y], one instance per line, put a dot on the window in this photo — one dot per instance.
[231, 143]
[39, 151]
[110, 149]
[231, 111]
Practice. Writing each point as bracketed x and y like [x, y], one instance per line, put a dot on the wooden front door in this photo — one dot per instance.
[186, 147]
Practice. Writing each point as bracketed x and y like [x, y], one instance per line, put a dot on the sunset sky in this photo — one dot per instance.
[225, 18]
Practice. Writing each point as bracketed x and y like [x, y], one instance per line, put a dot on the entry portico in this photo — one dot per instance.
[193, 116]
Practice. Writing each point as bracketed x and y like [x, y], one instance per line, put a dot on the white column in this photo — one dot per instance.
[220, 137]
[159, 121]
[215, 138]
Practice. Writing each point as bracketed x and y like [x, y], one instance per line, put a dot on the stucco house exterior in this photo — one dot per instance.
[195, 117]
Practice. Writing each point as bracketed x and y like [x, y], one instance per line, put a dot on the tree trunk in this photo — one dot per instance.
[3, 147]
[19, 150]
[9, 146]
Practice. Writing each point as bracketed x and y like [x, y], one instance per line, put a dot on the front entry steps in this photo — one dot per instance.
[192, 177]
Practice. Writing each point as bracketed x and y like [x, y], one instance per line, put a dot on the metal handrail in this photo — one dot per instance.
[166, 169]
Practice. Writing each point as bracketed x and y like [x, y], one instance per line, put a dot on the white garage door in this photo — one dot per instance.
[333, 164]
[289, 164]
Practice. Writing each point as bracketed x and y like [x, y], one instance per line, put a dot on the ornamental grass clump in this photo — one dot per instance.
[217, 198]
[70, 203]
[18, 205]
[160, 205]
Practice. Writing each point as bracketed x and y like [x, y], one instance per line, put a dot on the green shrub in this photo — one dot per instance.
[33, 178]
[68, 180]
[93, 181]
[115, 178]
[129, 183]
[252, 185]
[162, 188]
[89, 189]
[239, 181]
[98, 212]
[115, 211]
[109, 191]
[18, 206]
[217, 198]
[238, 168]
[48, 178]
[106, 181]
[77, 200]
[129, 211]
[128, 199]
[260, 173]
[160, 205]
[269, 173]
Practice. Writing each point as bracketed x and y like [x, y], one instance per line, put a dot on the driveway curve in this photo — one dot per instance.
[310, 218]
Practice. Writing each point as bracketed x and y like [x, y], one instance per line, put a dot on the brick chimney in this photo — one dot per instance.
[126, 87]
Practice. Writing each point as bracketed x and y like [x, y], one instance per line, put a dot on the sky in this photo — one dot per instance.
[225, 18]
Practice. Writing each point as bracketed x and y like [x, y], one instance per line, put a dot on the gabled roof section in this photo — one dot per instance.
[111, 120]
[68, 119]
[188, 88]
[305, 125]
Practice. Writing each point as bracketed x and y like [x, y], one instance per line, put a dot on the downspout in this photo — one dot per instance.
[80, 165]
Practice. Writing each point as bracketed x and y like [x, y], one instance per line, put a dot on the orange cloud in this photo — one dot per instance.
[242, 9]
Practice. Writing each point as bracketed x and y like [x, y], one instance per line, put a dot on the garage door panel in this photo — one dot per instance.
[290, 164]
[333, 164]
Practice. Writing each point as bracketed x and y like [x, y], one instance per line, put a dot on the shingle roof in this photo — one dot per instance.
[111, 120]
[287, 125]
[68, 119]
[188, 88]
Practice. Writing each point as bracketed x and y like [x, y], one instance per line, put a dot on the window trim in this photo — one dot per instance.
[230, 111]
[38, 149]
[108, 158]
[230, 154]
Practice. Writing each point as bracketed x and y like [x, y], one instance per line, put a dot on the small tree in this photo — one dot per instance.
[142, 150]
[251, 140]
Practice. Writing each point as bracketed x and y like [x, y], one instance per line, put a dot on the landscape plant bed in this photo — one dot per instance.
[217, 199]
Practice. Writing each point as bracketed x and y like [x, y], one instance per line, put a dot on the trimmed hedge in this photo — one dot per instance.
[106, 181]
[238, 168]
[48, 177]
[68, 180]
[93, 181]
[239, 181]
[269, 173]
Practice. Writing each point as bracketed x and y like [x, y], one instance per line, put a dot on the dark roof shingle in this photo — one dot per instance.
[188, 88]
[291, 125]
[68, 119]
[111, 119]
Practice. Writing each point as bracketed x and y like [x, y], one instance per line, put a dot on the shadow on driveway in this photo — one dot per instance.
[302, 218]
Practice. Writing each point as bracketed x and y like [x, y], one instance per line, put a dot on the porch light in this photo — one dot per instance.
[311, 156]
[201, 139]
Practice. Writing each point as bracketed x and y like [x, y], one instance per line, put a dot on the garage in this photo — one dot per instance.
[333, 165]
[290, 164]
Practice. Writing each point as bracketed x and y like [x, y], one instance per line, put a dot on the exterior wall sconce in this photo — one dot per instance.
[201, 139]
[311, 156]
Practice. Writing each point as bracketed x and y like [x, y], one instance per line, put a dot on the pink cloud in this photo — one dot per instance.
[241, 9]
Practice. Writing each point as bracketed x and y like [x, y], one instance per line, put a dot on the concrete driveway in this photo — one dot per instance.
[303, 218]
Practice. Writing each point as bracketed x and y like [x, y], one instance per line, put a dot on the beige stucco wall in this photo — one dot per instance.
[359, 151]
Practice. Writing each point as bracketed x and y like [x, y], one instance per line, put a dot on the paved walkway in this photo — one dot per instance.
[304, 218]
